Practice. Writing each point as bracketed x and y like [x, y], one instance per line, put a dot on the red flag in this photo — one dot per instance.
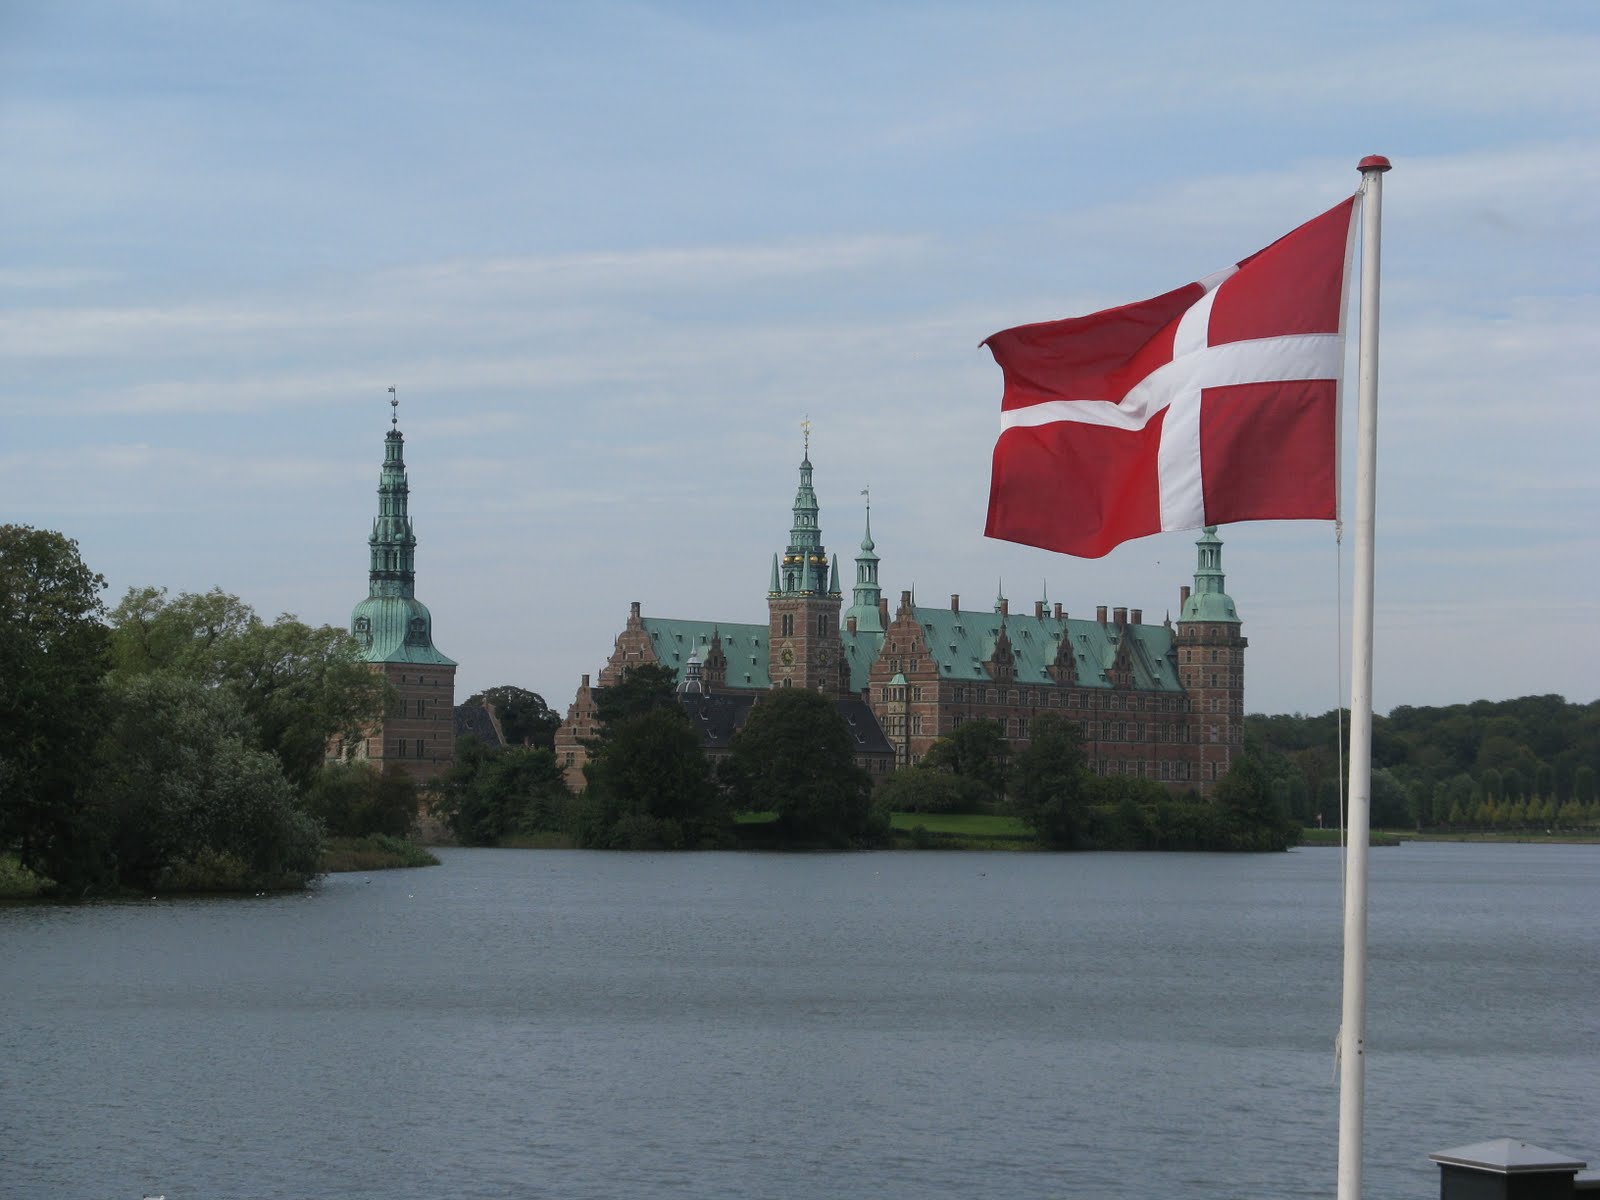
[1213, 403]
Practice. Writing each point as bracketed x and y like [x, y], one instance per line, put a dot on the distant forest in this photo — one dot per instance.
[1522, 763]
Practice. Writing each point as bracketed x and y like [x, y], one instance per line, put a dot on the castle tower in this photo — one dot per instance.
[865, 607]
[803, 601]
[395, 631]
[1210, 651]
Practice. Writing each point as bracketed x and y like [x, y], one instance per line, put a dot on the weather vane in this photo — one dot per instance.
[394, 410]
[805, 428]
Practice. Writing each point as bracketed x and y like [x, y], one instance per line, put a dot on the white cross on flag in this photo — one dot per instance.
[1213, 403]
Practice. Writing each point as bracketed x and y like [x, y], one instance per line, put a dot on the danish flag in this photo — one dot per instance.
[1212, 403]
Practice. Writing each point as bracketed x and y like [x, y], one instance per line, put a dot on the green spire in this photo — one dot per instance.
[391, 624]
[1208, 601]
[805, 563]
[393, 559]
[864, 603]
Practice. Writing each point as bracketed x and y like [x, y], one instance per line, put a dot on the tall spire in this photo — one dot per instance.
[391, 624]
[805, 563]
[393, 569]
[865, 597]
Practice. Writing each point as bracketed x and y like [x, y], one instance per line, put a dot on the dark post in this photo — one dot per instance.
[1505, 1169]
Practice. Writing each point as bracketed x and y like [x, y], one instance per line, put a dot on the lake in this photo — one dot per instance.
[579, 1024]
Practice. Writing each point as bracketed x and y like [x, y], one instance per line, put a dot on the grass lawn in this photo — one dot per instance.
[960, 831]
[374, 853]
[1311, 836]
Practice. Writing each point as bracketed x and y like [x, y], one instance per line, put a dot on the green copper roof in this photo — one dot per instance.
[961, 642]
[391, 624]
[1209, 601]
[396, 629]
[744, 646]
[746, 649]
[864, 606]
[860, 652]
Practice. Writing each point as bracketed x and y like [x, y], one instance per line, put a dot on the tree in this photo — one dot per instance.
[301, 686]
[355, 799]
[524, 717]
[650, 786]
[185, 803]
[924, 791]
[1245, 798]
[53, 656]
[1049, 782]
[1583, 785]
[1389, 805]
[641, 688]
[974, 750]
[795, 756]
[490, 794]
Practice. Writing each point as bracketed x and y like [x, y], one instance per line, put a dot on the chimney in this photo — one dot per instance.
[1005, 607]
[955, 602]
[850, 624]
[585, 683]
[1136, 616]
[633, 612]
[1038, 608]
[1060, 616]
[1183, 598]
[1120, 616]
[1100, 613]
[883, 611]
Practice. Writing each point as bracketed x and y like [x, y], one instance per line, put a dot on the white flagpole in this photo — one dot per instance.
[1352, 1028]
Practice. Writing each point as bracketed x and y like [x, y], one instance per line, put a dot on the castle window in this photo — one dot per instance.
[1213, 733]
[822, 624]
[1022, 727]
[1005, 727]
[788, 624]
[421, 752]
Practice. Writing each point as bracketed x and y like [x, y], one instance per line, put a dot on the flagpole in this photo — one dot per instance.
[1352, 1028]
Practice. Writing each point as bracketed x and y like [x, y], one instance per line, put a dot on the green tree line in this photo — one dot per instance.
[1530, 762]
[649, 785]
[1049, 785]
[173, 742]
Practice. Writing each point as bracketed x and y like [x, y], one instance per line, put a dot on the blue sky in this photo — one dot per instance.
[611, 255]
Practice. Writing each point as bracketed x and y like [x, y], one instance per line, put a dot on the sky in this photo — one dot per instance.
[611, 255]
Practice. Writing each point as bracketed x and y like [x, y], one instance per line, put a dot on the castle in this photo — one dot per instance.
[1159, 702]
[395, 633]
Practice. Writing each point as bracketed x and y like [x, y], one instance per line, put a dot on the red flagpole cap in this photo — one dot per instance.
[1373, 162]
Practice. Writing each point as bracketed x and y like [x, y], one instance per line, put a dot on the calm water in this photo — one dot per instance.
[519, 1023]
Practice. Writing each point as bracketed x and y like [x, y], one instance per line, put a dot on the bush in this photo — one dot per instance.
[355, 799]
[926, 791]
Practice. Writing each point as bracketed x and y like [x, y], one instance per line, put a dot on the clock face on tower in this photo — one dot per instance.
[786, 656]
